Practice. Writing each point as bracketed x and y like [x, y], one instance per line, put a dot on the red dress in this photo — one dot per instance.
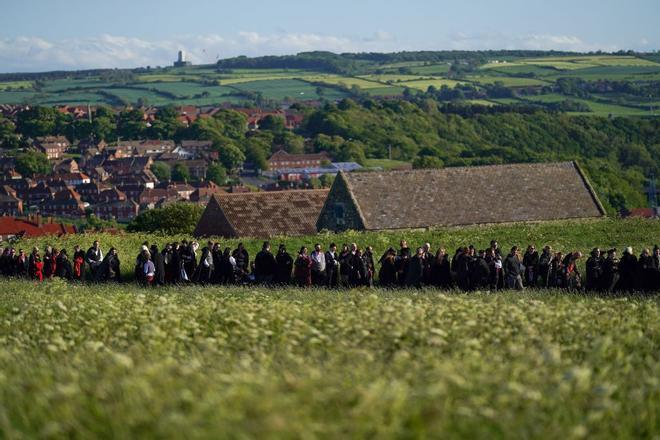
[39, 271]
[303, 271]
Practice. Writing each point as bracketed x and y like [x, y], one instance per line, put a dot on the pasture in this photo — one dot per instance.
[187, 84]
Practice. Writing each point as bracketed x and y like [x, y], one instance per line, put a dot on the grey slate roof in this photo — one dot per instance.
[462, 196]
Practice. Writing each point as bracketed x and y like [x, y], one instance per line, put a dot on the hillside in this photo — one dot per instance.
[603, 84]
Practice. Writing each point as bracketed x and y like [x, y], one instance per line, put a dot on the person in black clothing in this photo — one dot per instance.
[415, 273]
[204, 270]
[227, 268]
[265, 265]
[387, 272]
[63, 268]
[402, 261]
[242, 258]
[355, 266]
[545, 260]
[159, 264]
[284, 267]
[332, 266]
[656, 268]
[441, 270]
[110, 267]
[461, 265]
[369, 266]
[627, 271]
[512, 270]
[610, 277]
[21, 264]
[531, 262]
[645, 271]
[94, 258]
[594, 271]
[480, 273]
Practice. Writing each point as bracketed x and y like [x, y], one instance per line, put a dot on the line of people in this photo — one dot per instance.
[469, 269]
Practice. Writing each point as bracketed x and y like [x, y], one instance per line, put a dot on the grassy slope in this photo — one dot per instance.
[564, 236]
[217, 363]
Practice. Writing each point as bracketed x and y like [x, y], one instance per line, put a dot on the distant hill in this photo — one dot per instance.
[621, 84]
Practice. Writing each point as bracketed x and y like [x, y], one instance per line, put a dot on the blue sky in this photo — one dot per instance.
[71, 34]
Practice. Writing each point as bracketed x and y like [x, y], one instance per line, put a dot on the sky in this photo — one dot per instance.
[40, 35]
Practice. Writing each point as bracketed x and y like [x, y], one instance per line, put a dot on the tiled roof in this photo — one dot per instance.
[15, 226]
[262, 214]
[472, 195]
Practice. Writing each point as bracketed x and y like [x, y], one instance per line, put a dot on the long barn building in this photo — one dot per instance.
[459, 196]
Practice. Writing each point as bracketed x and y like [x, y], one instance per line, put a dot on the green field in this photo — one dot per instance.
[123, 362]
[15, 85]
[188, 83]
[600, 109]
[119, 361]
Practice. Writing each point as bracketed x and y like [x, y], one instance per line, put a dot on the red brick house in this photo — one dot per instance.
[65, 203]
[39, 194]
[53, 147]
[122, 210]
[10, 204]
[149, 196]
[67, 166]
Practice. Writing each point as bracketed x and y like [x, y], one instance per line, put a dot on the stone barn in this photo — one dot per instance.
[459, 196]
[261, 214]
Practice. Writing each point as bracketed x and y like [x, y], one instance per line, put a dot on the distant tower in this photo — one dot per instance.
[181, 60]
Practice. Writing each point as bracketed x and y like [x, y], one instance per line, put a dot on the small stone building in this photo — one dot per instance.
[261, 214]
[459, 196]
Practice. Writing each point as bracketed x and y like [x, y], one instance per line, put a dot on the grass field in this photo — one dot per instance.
[109, 362]
[15, 85]
[597, 108]
[119, 361]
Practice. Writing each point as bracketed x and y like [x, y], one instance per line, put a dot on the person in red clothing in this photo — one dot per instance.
[303, 268]
[78, 263]
[37, 268]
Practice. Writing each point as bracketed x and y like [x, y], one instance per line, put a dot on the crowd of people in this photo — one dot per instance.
[351, 266]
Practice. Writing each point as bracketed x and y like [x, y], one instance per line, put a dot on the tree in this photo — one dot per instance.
[162, 171]
[327, 180]
[166, 124]
[38, 121]
[427, 162]
[131, 124]
[231, 156]
[177, 218]
[180, 173]
[33, 162]
[272, 123]
[217, 174]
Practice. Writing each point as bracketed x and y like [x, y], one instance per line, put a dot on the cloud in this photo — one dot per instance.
[109, 51]
[496, 41]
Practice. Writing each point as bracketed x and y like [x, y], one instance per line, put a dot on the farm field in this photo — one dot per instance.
[187, 83]
[597, 108]
[124, 362]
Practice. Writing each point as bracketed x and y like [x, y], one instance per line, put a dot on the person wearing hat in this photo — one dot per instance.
[332, 266]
